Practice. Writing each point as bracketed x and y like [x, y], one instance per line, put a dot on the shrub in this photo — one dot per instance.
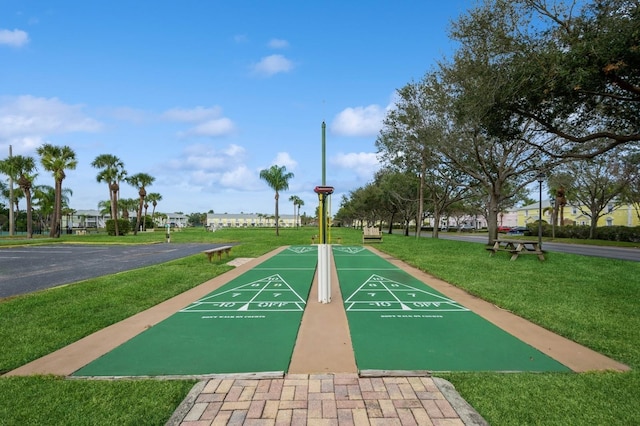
[123, 227]
[618, 233]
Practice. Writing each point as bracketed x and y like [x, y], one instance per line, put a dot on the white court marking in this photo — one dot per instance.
[302, 249]
[271, 293]
[379, 293]
[350, 250]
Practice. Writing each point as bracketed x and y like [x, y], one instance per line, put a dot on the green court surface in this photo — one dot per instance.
[399, 323]
[248, 325]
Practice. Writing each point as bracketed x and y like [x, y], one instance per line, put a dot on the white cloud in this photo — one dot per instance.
[192, 115]
[276, 43]
[284, 159]
[235, 151]
[273, 64]
[364, 164]
[15, 38]
[217, 127]
[209, 121]
[129, 114]
[28, 121]
[239, 178]
[201, 157]
[359, 121]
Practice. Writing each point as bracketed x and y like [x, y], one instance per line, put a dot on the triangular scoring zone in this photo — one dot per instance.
[348, 249]
[379, 293]
[270, 293]
[302, 249]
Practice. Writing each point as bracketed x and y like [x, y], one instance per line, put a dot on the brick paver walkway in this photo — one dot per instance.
[322, 399]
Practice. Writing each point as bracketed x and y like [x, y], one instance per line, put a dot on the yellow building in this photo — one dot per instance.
[250, 220]
[623, 215]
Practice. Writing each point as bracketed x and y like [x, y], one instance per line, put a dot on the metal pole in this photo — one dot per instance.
[540, 215]
[324, 168]
[553, 218]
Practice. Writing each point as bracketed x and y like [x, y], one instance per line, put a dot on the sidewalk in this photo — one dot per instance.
[325, 399]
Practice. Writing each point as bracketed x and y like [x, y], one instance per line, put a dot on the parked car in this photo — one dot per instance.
[504, 228]
[519, 230]
[466, 228]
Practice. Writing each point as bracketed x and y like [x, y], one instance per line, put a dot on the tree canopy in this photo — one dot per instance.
[277, 178]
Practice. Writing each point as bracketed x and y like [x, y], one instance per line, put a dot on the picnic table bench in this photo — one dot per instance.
[371, 234]
[516, 248]
[218, 251]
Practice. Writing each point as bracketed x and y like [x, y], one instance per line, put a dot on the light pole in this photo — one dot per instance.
[553, 217]
[540, 179]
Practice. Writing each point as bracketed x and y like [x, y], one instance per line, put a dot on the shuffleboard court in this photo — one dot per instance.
[399, 323]
[248, 325]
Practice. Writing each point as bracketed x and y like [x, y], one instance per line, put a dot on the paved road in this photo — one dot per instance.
[622, 253]
[31, 268]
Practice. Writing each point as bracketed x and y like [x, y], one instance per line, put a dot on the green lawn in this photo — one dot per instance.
[590, 300]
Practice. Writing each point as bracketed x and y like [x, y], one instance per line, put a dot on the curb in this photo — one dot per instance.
[467, 413]
[187, 404]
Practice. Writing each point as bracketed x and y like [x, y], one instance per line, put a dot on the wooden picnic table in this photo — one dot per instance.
[517, 247]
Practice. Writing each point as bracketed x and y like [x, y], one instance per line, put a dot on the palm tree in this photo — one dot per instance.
[112, 172]
[125, 205]
[6, 168]
[25, 168]
[154, 197]
[277, 178]
[56, 159]
[140, 181]
[297, 202]
[45, 200]
[104, 207]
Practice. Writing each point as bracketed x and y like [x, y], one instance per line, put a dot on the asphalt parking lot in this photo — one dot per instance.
[30, 268]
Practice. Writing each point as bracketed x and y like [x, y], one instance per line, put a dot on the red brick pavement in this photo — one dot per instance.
[321, 399]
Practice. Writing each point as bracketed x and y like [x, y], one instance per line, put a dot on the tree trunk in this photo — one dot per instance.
[114, 206]
[27, 196]
[420, 201]
[436, 222]
[492, 217]
[277, 218]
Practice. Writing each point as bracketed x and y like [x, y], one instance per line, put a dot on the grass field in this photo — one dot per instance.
[590, 300]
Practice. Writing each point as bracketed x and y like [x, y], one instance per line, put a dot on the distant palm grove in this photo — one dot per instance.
[49, 203]
[46, 205]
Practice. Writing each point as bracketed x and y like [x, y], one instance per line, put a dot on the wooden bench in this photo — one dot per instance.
[371, 234]
[218, 251]
[516, 248]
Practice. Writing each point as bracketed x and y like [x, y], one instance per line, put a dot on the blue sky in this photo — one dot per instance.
[203, 95]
